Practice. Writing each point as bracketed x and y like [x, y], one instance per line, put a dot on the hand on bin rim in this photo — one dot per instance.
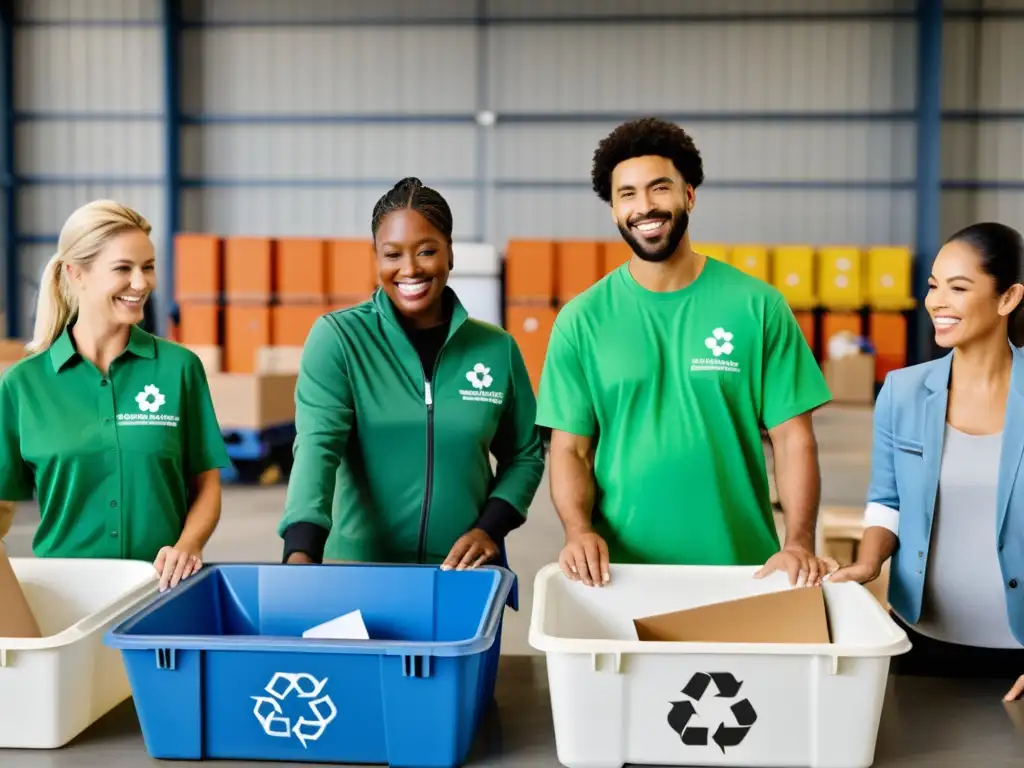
[1017, 692]
[860, 572]
[471, 550]
[802, 565]
[175, 564]
[585, 558]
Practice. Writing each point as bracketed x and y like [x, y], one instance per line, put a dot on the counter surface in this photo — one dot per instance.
[926, 723]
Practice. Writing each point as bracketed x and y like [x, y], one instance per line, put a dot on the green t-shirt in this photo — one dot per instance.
[110, 458]
[673, 388]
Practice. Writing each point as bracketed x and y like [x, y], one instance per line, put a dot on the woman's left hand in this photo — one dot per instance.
[470, 551]
[1017, 691]
[176, 563]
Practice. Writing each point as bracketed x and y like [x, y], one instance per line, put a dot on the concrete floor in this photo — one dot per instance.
[247, 531]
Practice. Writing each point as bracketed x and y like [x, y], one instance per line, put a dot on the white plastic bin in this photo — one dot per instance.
[611, 695]
[53, 688]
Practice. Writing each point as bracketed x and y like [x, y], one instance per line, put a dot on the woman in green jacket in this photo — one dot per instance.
[400, 403]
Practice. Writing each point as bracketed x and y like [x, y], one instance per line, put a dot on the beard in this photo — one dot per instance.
[658, 250]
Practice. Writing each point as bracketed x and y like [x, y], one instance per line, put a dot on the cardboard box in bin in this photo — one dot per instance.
[16, 618]
[791, 616]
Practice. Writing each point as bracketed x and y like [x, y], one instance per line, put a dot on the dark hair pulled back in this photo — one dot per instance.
[1000, 249]
[410, 193]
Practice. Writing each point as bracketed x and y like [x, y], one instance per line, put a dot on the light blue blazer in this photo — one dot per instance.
[909, 424]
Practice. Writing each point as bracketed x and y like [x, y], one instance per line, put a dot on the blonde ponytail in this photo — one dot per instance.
[84, 236]
[55, 308]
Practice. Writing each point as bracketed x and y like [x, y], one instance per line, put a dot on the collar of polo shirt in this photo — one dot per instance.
[62, 351]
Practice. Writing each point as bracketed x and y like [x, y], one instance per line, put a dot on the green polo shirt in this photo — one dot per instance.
[110, 458]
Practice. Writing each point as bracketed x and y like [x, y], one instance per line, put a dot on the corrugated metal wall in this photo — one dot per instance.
[983, 127]
[88, 96]
[296, 116]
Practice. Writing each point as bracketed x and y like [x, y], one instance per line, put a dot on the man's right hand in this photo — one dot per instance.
[585, 558]
[299, 558]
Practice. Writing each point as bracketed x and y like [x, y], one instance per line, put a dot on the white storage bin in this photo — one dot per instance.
[53, 688]
[814, 705]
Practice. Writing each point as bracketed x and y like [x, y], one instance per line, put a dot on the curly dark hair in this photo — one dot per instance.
[647, 136]
[411, 193]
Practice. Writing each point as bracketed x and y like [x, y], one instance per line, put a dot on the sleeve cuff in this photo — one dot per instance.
[499, 519]
[307, 538]
[876, 514]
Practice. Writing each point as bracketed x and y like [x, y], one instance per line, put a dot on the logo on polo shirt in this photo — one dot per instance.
[150, 400]
[479, 377]
[719, 345]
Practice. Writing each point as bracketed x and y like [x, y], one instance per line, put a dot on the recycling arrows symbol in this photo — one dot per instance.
[306, 687]
[725, 735]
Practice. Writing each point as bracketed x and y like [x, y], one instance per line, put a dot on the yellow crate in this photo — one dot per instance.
[889, 278]
[752, 259]
[713, 251]
[793, 275]
[841, 278]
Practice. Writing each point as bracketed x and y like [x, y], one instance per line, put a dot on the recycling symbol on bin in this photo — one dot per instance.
[306, 688]
[726, 734]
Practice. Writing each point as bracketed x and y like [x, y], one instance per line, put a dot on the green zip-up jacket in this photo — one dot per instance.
[397, 469]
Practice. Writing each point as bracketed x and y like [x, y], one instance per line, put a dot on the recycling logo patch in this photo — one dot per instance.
[318, 713]
[726, 734]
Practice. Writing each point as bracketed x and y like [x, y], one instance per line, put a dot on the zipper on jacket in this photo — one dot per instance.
[428, 398]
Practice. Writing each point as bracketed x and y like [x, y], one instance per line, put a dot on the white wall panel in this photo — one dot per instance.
[87, 10]
[736, 67]
[731, 151]
[319, 151]
[321, 70]
[88, 69]
[42, 209]
[731, 216]
[91, 148]
[546, 8]
[311, 211]
[291, 11]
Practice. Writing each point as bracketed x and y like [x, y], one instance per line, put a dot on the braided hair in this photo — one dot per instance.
[409, 193]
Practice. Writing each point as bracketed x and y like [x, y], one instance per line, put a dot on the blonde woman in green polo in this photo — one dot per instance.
[110, 428]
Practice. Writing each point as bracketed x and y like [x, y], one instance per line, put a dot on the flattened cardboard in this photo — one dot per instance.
[16, 619]
[791, 616]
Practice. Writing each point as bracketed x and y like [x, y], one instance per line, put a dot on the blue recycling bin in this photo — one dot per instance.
[219, 668]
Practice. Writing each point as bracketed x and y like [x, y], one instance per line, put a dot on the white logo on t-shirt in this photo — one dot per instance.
[719, 344]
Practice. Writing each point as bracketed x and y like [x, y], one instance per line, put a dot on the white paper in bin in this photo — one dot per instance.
[811, 705]
[53, 688]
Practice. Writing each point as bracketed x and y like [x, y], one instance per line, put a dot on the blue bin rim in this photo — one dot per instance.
[119, 637]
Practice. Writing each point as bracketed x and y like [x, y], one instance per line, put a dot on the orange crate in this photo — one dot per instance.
[530, 271]
[246, 329]
[351, 271]
[838, 322]
[579, 267]
[614, 254]
[301, 270]
[198, 267]
[531, 328]
[290, 323]
[889, 336]
[199, 324]
[249, 269]
[806, 322]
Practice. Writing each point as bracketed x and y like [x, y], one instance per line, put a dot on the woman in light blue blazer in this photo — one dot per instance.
[946, 499]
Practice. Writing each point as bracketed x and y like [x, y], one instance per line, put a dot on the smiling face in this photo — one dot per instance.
[650, 204]
[114, 288]
[413, 262]
[963, 300]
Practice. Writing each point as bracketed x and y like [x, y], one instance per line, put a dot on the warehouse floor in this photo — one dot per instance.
[248, 527]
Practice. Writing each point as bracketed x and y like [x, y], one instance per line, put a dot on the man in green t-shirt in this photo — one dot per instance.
[658, 380]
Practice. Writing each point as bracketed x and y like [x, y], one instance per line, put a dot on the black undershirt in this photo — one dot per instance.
[497, 519]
